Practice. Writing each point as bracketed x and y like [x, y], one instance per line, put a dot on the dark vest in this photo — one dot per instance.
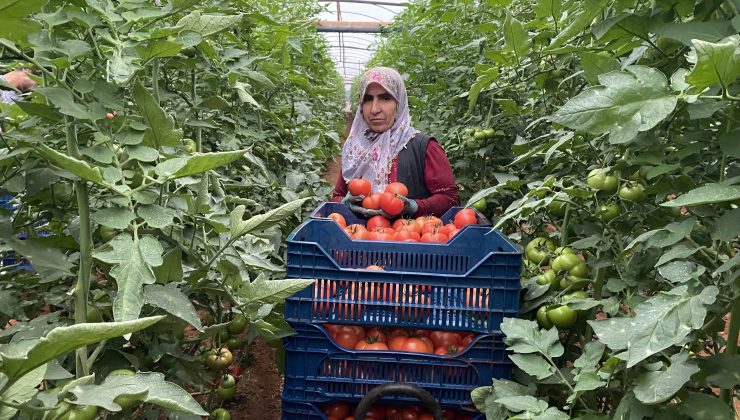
[410, 169]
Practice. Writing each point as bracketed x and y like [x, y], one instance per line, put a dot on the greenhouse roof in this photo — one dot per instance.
[352, 28]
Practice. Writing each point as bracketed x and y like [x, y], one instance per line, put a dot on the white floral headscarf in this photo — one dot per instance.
[367, 154]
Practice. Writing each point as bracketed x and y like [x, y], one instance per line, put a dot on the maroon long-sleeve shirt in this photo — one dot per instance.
[438, 177]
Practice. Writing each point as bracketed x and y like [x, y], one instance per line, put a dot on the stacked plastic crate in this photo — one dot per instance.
[8, 259]
[468, 284]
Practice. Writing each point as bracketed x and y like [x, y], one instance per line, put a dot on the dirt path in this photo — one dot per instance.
[258, 390]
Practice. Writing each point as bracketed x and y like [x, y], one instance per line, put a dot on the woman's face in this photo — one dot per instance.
[378, 108]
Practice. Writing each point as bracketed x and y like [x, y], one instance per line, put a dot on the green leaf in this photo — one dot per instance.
[171, 268]
[259, 78]
[202, 162]
[523, 403]
[142, 153]
[592, 353]
[524, 336]
[116, 217]
[22, 357]
[682, 250]
[75, 166]
[261, 222]
[172, 300]
[715, 63]
[595, 64]
[73, 48]
[681, 271]
[19, 8]
[156, 216]
[704, 407]
[65, 102]
[722, 369]
[657, 387]
[151, 387]
[160, 127]
[158, 48]
[662, 321]
[533, 365]
[272, 291]
[686, 31]
[484, 399]
[40, 110]
[482, 82]
[588, 242]
[729, 264]
[45, 257]
[546, 9]
[516, 38]
[706, 194]
[628, 102]
[99, 152]
[273, 329]
[730, 143]
[21, 391]
[207, 24]
[580, 21]
[727, 226]
[133, 261]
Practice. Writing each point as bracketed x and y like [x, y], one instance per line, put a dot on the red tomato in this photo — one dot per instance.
[338, 410]
[410, 344]
[370, 344]
[377, 221]
[332, 328]
[425, 333]
[431, 227]
[372, 201]
[374, 268]
[433, 237]
[359, 186]
[453, 231]
[339, 219]
[377, 334]
[450, 350]
[465, 342]
[392, 413]
[465, 217]
[397, 188]
[421, 221]
[356, 231]
[390, 204]
[398, 332]
[410, 413]
[445, 338]
[405, 235]
[426, 416]
[347, 340]
[376, 412]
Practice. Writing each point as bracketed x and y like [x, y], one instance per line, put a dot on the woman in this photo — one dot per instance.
[384, 147]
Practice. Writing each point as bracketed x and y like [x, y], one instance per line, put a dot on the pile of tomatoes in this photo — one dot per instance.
[443, 343]
[343, 411]
[421, 229]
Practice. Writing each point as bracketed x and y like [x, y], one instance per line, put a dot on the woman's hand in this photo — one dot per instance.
[354, 204]
[410, 207]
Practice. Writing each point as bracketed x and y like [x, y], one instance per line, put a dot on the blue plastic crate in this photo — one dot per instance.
[6, 202]
[303, 410]
[325, 209]
[467, 284]
[319, 370]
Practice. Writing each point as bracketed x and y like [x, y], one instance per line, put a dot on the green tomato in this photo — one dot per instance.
[226, 393]
[542, 318]
[220, 359]
[227, 381]
[578, 294]
[562, 317]
[188, 142]
[223, 336]
[610, 184]
[599, 180]
[93, 314]
[122, 372]
[220, 414]
[479, 135]
[480, 205]
[537, 249]
[634, 193]
[557, 208]
[469, 131]
[550, 278]
[189, 149]
[80, 412]
[564, 250]
[565, 262]
[234, 343]
[238, 324]
[489, 132]
[573, 282]
[106, 233]
[608, 212]
[580, 270]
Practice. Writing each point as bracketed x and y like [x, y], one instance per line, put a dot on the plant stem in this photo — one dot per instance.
[731, 348]
[155, 79]
[82, 288]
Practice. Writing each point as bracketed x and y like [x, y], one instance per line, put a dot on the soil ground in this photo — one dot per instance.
[258, 390]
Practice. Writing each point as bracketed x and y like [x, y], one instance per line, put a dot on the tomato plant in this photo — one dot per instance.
[648, 199]
[142, 166]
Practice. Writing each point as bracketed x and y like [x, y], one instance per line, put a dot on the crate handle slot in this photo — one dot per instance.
[395, 388]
